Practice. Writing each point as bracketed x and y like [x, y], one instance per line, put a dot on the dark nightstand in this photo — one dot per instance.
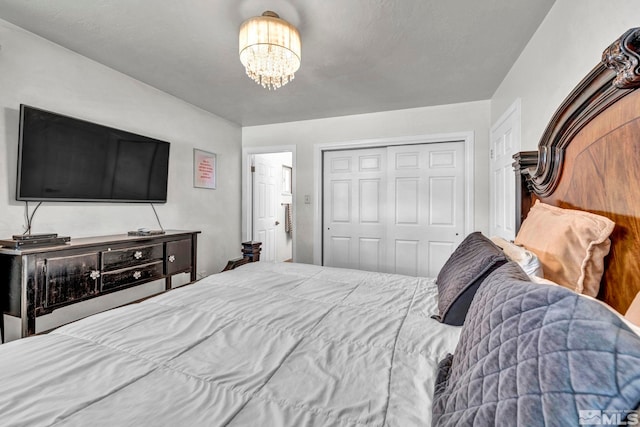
[252, 250]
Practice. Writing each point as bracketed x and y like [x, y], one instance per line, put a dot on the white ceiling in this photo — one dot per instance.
[358, 56]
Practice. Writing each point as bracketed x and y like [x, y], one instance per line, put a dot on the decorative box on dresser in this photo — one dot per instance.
[36, 281]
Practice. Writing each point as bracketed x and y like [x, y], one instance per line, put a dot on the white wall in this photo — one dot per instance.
[37, 72]
[473, 116]
[566, 46]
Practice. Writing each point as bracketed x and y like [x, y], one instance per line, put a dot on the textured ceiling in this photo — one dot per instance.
[358, 56]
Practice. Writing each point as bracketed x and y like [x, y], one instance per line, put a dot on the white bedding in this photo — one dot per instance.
[262, 345]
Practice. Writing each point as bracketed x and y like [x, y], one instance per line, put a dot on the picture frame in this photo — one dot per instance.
[205, 169]
[287, 172]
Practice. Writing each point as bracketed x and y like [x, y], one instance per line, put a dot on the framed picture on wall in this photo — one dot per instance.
[205, 169]
[286, 179]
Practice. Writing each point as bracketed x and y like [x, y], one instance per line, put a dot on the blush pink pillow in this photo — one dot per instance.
[570, 244]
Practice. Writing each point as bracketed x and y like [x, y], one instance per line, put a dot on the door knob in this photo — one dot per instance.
[277, 222]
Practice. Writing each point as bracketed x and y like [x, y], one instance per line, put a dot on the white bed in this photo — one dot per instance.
[266, 344]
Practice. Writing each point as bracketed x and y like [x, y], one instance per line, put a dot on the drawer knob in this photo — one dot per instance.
[137, 275]
[94, 274]
[137, 255]
[172, 258]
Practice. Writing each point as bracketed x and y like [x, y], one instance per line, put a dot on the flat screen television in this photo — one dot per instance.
[61, 158]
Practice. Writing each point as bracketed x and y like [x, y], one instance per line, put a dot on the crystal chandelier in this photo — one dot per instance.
[269, 50]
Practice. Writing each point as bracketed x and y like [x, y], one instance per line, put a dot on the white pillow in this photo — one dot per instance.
[542, 281]
[633, 312]
[527, 260]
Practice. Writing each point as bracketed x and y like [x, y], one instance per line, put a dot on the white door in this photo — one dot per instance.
[354, 214]
[505, 142]
[426, 198]
[396, 209]
[265, 182]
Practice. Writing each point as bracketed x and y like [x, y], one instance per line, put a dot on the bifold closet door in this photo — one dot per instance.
[397, 209]
[354, 190]
[426, 203]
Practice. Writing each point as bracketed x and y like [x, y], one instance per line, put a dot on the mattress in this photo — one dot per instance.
[266, 344]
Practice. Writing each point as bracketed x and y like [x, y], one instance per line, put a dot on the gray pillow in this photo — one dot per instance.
[538, 355]
[507, 271]
[462, 274]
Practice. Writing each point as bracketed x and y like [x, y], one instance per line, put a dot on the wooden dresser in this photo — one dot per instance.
[36, 281]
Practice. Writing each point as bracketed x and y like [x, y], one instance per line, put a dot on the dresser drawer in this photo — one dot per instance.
[123, 258]
[131, 276]
[63, 280]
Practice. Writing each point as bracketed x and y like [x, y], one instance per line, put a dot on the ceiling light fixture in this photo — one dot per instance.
[269, 50]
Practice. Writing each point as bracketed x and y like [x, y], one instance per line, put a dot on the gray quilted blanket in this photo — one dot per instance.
[539, 355]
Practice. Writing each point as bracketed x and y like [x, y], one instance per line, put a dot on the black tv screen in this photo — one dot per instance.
[65, 159]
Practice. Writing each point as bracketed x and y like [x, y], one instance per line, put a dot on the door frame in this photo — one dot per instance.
[247, 194]
[318, 153]
[513, 114]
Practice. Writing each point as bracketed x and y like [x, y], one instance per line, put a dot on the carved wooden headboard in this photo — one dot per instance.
[589, 159]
